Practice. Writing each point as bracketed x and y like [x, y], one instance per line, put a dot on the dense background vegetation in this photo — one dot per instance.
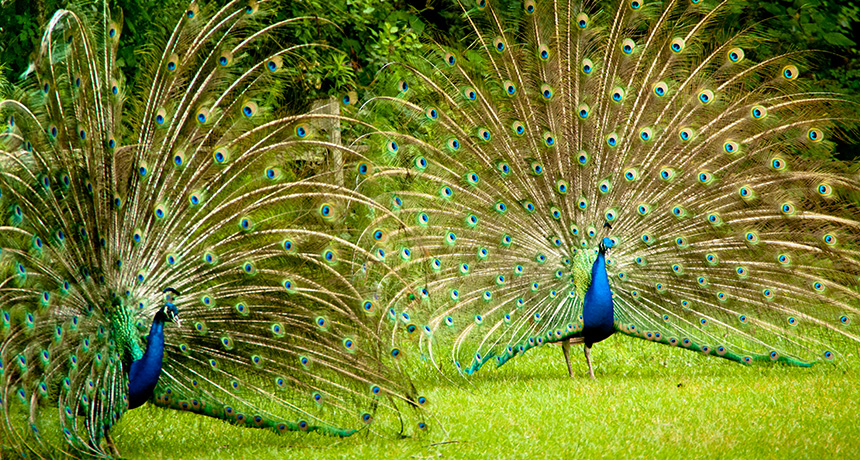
[372, 33]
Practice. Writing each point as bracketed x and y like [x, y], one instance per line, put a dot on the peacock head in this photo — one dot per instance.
[169, 310]
[607, 242]
[604, 245]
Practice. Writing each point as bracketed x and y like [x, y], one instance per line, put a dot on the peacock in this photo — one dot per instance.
[126, 210]
[572, 170]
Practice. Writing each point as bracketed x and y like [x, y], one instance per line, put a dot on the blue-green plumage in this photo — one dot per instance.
[143, 373]
[597, 313]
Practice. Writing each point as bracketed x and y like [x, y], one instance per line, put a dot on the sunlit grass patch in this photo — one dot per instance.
[649, 401]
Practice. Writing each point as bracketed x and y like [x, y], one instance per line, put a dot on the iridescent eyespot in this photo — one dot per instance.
[587, 66]
[758, 112]
[582, 20]
[814, 135]
[735, 55]
[790, 72]
[628, 46]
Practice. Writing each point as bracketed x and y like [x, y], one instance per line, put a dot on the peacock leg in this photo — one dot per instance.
[565, 348]
[587, 350]
[114, 452]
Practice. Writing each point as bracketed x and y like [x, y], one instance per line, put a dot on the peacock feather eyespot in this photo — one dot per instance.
[470, 94]
[423, 219]
[778, 164]
[714, 219]
[453, 144]
[326, 211]
[582, 158]
[510, 87]
[758, 112]
[274, 64]
[735, 55]
[555, 213]
[731, 147]
[582, 20]
[543, 53]
[645, 134]
[610, 215]
[605, 186]
[194, 199]
[349, 98]
[746, 192]
[844, 320]
[506, 241]
[628, 46]
[824, 189]
[685, 134]
[249, 109]
[631, 174]
[583, 110]
[547, 92]
[431, 113]
[587, 66]
[679, 212]
[500, 207]
[790, 72]
[814, 135]
[706, 96]
[450, 238]
[330, 256]
[221, 155]
[705, 177]
[661, 89]
[677, 45]
[464, 269]
[611, 140]
[518, 128]
[499, 44]
[829, 239]
[722, 297]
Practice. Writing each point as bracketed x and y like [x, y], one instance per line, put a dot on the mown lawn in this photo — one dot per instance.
[649, 401]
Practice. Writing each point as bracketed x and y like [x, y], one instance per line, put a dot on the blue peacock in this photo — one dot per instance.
[127, 209]
[587, 169]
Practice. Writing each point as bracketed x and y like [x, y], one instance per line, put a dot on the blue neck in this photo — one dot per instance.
[143, 374]
[598, 316]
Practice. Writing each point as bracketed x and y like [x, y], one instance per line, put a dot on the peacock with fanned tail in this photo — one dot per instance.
[185, 205]
[587, 169]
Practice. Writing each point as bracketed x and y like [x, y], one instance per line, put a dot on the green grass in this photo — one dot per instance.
[649, 401]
